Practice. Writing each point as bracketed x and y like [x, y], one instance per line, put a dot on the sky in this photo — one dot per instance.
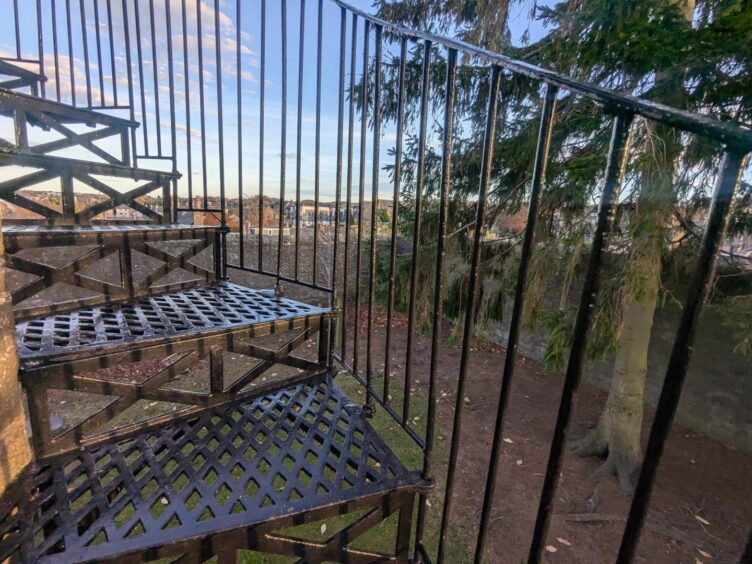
[244, 115]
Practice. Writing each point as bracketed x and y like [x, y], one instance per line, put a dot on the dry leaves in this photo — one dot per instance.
[701, 520]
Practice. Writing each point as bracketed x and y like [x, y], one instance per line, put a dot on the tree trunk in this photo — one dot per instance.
[15, 452]
[617, 435]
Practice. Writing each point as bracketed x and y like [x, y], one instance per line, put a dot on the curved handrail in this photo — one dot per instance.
[736, 136]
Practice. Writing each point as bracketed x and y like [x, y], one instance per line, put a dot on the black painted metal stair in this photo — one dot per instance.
[210, 484]
[231, 464]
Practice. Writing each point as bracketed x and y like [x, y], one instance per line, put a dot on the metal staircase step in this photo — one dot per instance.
[53, 116]
[52, 269]
[11, 102]
[67, 170]
[214, 312]
[19, 77]
[80, 234]
[211, 484]
[57, 165]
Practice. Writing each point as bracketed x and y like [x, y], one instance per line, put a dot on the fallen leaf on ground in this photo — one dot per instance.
[508, 440]
[701, 520]
[565, 542]
[323, 528]
[551, 548]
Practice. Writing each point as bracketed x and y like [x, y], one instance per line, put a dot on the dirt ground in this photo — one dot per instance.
[700, 510]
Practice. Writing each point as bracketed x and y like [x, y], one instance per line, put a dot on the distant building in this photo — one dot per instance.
[269, 231]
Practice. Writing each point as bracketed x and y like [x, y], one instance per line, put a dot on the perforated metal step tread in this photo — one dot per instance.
[279, 456]
[207, 310]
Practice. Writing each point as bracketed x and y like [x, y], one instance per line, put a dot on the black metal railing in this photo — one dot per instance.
[348, 253]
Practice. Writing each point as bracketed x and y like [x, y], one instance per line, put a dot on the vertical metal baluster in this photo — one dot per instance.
[283, 143]
[348, 204]
[99, 52]
[173, 134]
[18, 31]
[419, 184]
[187, 107]
[262, 88]
[129, 71]
[361, 188]
[40, 46]
[141, 87]
[747, 555]
[395, 215]
[71, 70]
[220, 134]
[338, 178]
[539, 176]
[239, 68]
[317, 149]
[368, 408]
[617, 156]
[446, 175]
[469, 322]
[301, 58]
[55, 51]
[158, 125]
[85, 41]
[715, 231]
[112, 53]
[202, 104]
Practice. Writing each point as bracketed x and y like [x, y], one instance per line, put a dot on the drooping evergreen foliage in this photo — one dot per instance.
[695, 55]
[646, 48]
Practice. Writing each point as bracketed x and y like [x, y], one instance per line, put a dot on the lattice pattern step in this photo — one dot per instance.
[289, 453]
[53, 269]
[206, 310]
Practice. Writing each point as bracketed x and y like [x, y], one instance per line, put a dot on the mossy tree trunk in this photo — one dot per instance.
[15, 452]
[617, 434]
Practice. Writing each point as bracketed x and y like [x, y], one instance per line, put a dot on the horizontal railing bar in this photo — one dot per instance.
[211, 210]
[388, 408]
[709, 127]
[110, 107]
[283, 278]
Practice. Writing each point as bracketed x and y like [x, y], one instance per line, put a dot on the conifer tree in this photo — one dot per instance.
[690, 54]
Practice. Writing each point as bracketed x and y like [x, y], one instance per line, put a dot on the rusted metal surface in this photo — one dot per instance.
[215, 483]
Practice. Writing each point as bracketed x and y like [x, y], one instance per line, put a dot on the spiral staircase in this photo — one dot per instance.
[233, 461]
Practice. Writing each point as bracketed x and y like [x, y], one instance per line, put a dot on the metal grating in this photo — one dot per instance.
[207, 309]
[287, 453]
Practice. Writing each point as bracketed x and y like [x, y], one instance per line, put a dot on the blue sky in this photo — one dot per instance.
[250, 46]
